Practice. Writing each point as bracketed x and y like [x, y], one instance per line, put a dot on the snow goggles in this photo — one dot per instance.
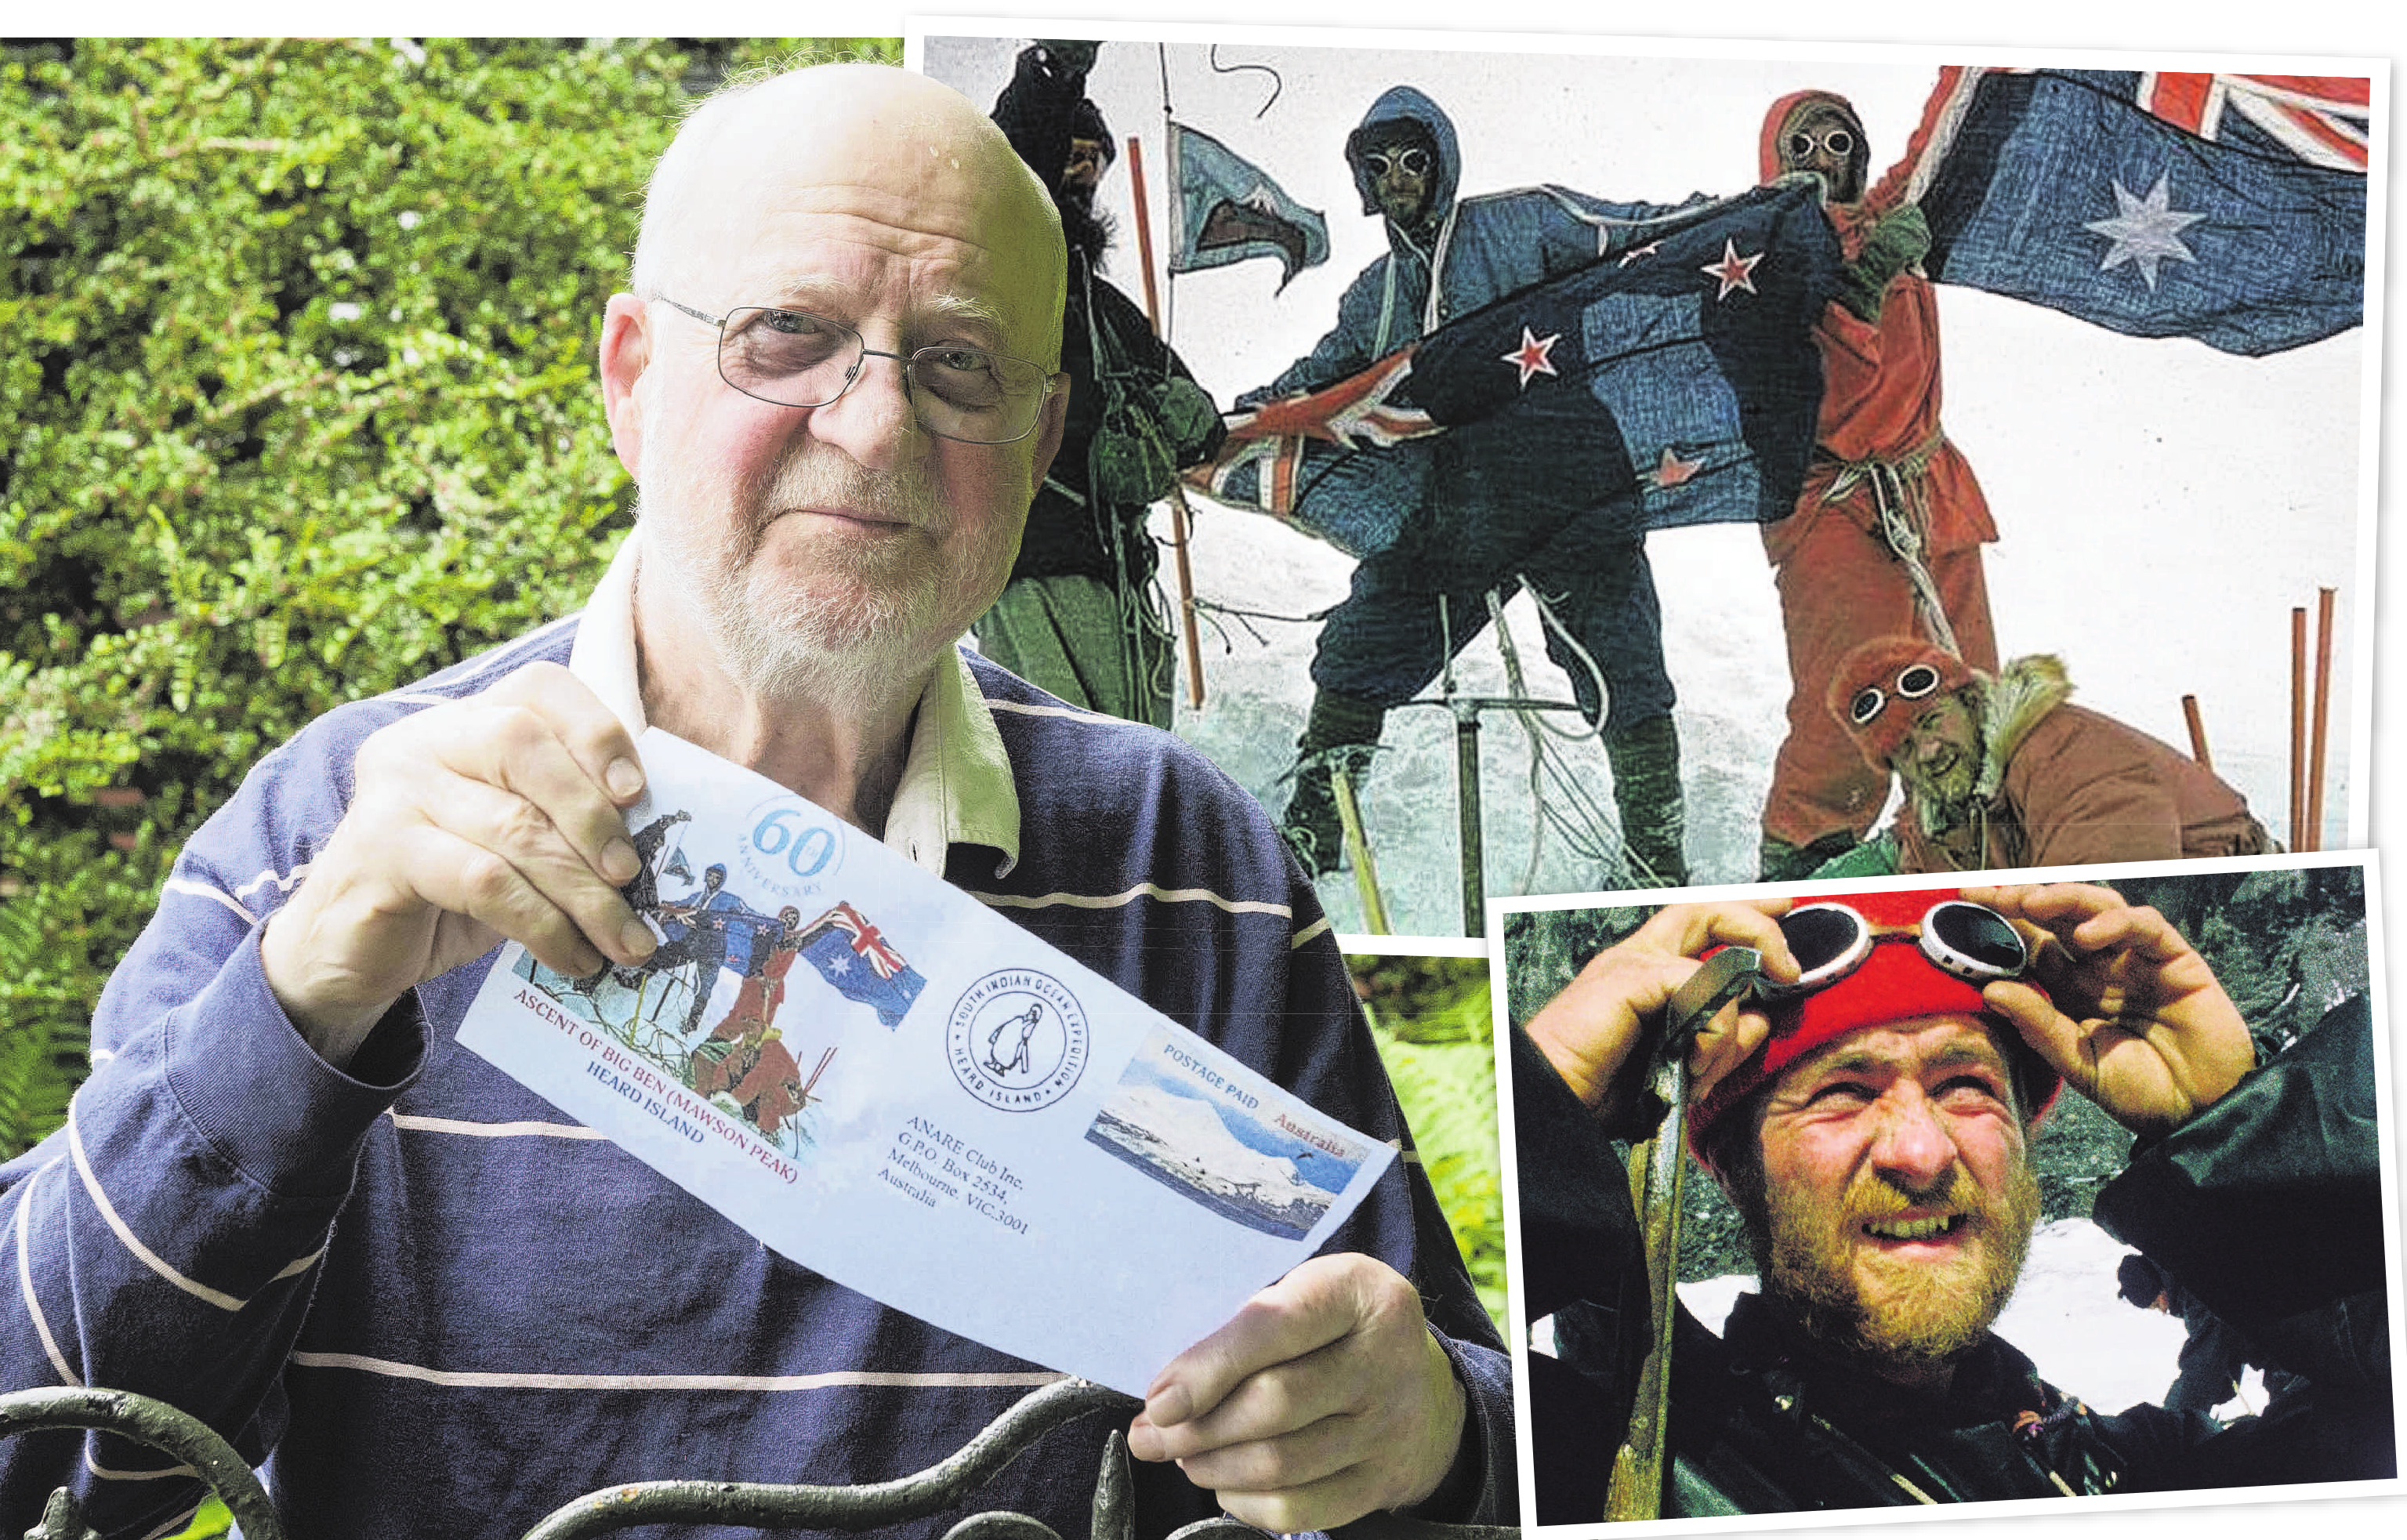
[1838, 141]
[1913, 682]
[1831, 941]
[1413, 160]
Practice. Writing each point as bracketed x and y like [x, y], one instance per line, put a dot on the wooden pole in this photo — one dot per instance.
[1358, 849]
[2297, 724]
[1468, 821]
[1634, 1488]
[2322, 719]
[1177, 495]
[2197, 733]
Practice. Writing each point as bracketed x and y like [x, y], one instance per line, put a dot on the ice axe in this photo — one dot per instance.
[1656, 1164]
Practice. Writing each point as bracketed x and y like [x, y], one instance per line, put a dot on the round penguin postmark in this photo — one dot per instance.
[1017, 1040]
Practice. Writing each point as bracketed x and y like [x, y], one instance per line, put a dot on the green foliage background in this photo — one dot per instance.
[297, 402]
[1437, 1032]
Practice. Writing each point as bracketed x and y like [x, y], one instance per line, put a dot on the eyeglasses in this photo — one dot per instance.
[792, 358]
[1913, 682]
[1838, 141]
[1413, 160]
[1831, 941]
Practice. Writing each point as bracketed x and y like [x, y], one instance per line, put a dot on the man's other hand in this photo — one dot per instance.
[1324, 1398]
[1589, 1031]
[497, 816]
[2133, 1018]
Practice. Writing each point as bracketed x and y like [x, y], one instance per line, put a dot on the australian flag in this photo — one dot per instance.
[1672, 382]
[850, 954]
[2226, 208]
[1229, 210]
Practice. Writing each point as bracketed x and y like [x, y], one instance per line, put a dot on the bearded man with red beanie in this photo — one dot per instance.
[1888, 532]
[1869, 1108]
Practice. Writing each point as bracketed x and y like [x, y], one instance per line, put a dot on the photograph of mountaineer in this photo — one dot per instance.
[1887, 533]
[1082, 618]
[1477, 609]
[1869, 1078]
[1416, 604]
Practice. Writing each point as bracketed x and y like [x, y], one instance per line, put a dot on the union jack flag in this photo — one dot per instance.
[1355, 411]
[1262, 464]
[839, 942]
[867, 939]
[2321, 119]
[2226, 208]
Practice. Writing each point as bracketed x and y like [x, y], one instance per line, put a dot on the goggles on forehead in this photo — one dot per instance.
[1412, 159]
[1913, 682]
[1838, 141]
[1832, 940]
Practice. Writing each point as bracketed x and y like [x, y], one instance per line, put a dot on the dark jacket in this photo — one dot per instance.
[1066, 535]
[1472, 251]
[2268, 1205]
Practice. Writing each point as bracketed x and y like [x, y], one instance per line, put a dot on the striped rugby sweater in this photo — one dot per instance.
[432, 1305]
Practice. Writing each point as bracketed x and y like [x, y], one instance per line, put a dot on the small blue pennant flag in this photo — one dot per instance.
[1230, 210]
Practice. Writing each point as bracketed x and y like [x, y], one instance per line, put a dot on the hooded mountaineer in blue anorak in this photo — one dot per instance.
[1446, 257]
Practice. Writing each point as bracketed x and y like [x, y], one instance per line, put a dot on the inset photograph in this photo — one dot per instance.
[1549, 485]
[1832, 1197]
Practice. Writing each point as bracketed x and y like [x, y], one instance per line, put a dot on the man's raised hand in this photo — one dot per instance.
[2133, 1018]
[497, 816]
[1589, 1031]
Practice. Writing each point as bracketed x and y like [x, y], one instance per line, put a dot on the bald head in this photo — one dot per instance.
[863, 151]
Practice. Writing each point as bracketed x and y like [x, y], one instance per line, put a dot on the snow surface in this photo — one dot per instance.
[1195, 1138]
[2162, 505]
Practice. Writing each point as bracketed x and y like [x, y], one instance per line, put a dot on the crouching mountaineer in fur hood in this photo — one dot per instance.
[1868, 1102]
[2002, 771]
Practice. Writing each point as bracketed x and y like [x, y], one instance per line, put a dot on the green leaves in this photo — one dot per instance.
[297, 402]
[1432, 1019]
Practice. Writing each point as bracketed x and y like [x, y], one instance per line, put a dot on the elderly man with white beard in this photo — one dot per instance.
[289, 1203]
[1868, 1109]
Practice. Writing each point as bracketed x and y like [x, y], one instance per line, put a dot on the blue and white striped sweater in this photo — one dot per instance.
[439, 1307]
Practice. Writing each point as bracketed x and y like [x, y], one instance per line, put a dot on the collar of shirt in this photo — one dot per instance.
[956, 786]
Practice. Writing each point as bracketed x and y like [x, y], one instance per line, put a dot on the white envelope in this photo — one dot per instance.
[886, 1082]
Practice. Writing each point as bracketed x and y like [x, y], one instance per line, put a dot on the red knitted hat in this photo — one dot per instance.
[1895, 983]
[1881, 689]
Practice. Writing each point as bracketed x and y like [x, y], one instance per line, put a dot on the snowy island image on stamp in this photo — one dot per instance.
[1187, 1125]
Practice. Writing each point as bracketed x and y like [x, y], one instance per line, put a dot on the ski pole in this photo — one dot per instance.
[1636, 1488]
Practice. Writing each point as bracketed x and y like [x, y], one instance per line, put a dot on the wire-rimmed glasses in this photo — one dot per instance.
[792, 358]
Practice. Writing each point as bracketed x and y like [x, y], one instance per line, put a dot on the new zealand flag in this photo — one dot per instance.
[1672, 383]
[850, 954]
[2226, 208]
